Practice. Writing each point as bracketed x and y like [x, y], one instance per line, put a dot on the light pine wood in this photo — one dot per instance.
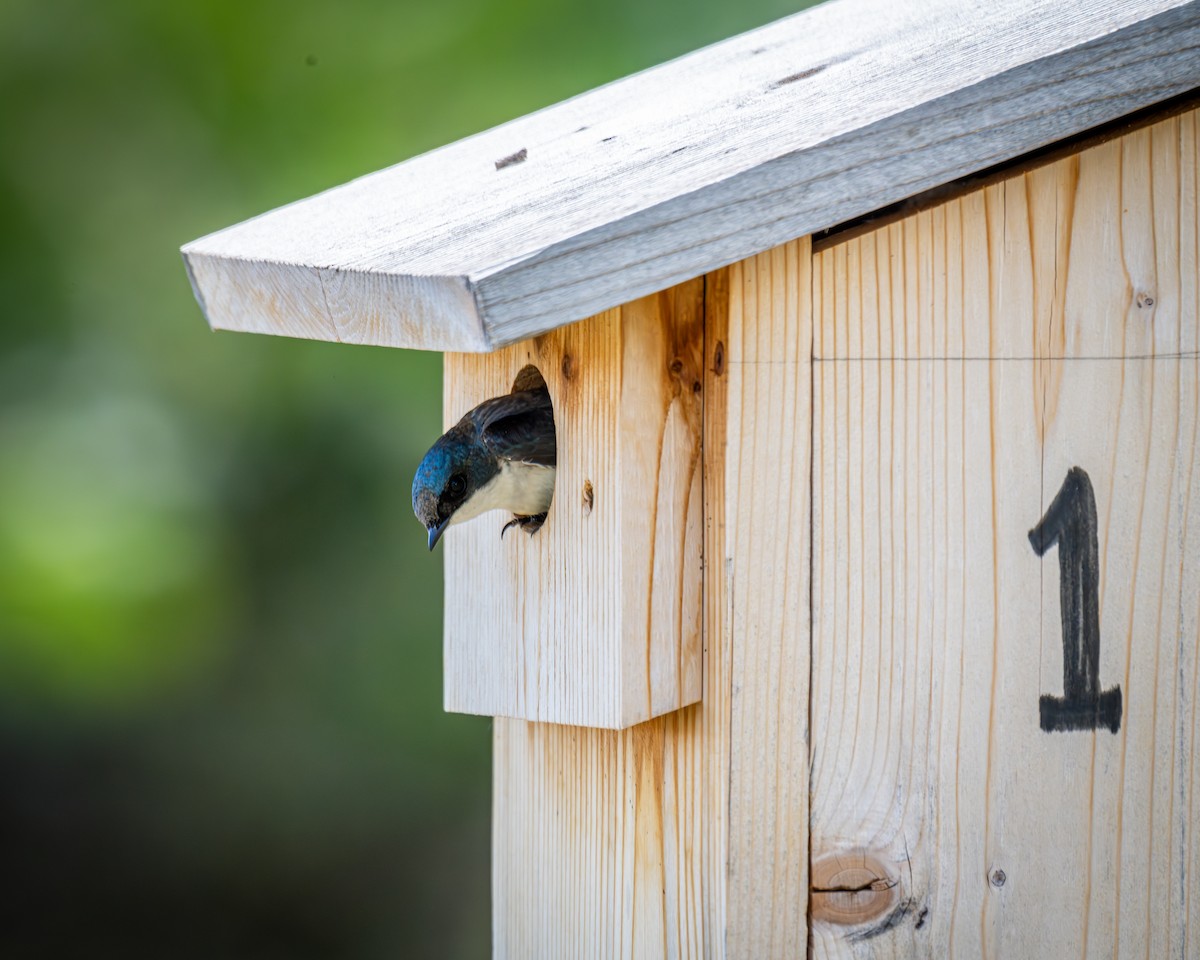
[644, 183]
[767, 516]
[1051, 229]
[688, 836]
[715, 709]
[613, 843]
[968, 357]
[599, 839]
[596, 619]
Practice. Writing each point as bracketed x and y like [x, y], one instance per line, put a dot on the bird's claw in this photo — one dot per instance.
[530, 525]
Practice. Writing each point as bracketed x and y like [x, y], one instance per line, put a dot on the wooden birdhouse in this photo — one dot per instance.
[865, 617]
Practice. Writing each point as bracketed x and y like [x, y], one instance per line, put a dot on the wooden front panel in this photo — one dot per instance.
[594, 620]
[1006, 563]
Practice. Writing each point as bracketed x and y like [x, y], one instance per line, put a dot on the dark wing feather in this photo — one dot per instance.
[519, 426]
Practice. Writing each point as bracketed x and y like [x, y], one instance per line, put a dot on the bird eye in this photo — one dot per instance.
[457, 485]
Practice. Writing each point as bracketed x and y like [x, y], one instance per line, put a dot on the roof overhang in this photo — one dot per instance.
[787, 130]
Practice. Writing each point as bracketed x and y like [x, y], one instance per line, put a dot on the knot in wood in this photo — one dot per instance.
[851, 887]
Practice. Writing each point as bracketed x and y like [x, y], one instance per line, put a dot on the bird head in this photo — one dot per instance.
[454, 468]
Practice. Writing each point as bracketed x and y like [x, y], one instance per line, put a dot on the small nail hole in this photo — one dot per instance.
[518, 157]
[589, 497]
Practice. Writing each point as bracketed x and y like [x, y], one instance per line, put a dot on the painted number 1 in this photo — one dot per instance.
[1070, 524]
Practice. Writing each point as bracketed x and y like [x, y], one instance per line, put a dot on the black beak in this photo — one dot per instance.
[435, 532]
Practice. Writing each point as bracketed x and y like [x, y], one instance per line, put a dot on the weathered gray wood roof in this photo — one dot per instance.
[640, 184]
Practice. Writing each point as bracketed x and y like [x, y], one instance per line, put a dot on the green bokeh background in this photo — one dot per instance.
[221, 731]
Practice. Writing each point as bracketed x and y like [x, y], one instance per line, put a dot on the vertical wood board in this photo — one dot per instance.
[971, 361]
[767, 513]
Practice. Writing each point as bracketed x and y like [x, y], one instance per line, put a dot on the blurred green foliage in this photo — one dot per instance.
[220, 689]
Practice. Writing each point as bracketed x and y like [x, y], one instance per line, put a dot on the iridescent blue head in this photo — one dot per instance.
[500, 456]
[455, 468]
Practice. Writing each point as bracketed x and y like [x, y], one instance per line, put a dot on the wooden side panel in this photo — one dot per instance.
[595, 620]
[613, 843]
[1006, 533]
[768, 554]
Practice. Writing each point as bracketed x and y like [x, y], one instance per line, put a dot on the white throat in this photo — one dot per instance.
[521, 488]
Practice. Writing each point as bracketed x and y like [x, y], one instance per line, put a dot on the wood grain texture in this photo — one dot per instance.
[767, 517]
[613, 843]
[714, 157]
[598, 840]
[1116, 204]
[968, 357]
[596, 619]
[688, 836]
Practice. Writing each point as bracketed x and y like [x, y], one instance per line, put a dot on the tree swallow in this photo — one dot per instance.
[501, 455]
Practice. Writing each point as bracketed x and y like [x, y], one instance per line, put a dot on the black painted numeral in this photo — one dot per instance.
[1070, 523]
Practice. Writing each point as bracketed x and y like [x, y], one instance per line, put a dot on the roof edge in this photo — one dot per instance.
[336, 304]
[466, 252]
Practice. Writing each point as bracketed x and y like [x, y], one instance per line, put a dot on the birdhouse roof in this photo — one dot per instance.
[784, 131]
